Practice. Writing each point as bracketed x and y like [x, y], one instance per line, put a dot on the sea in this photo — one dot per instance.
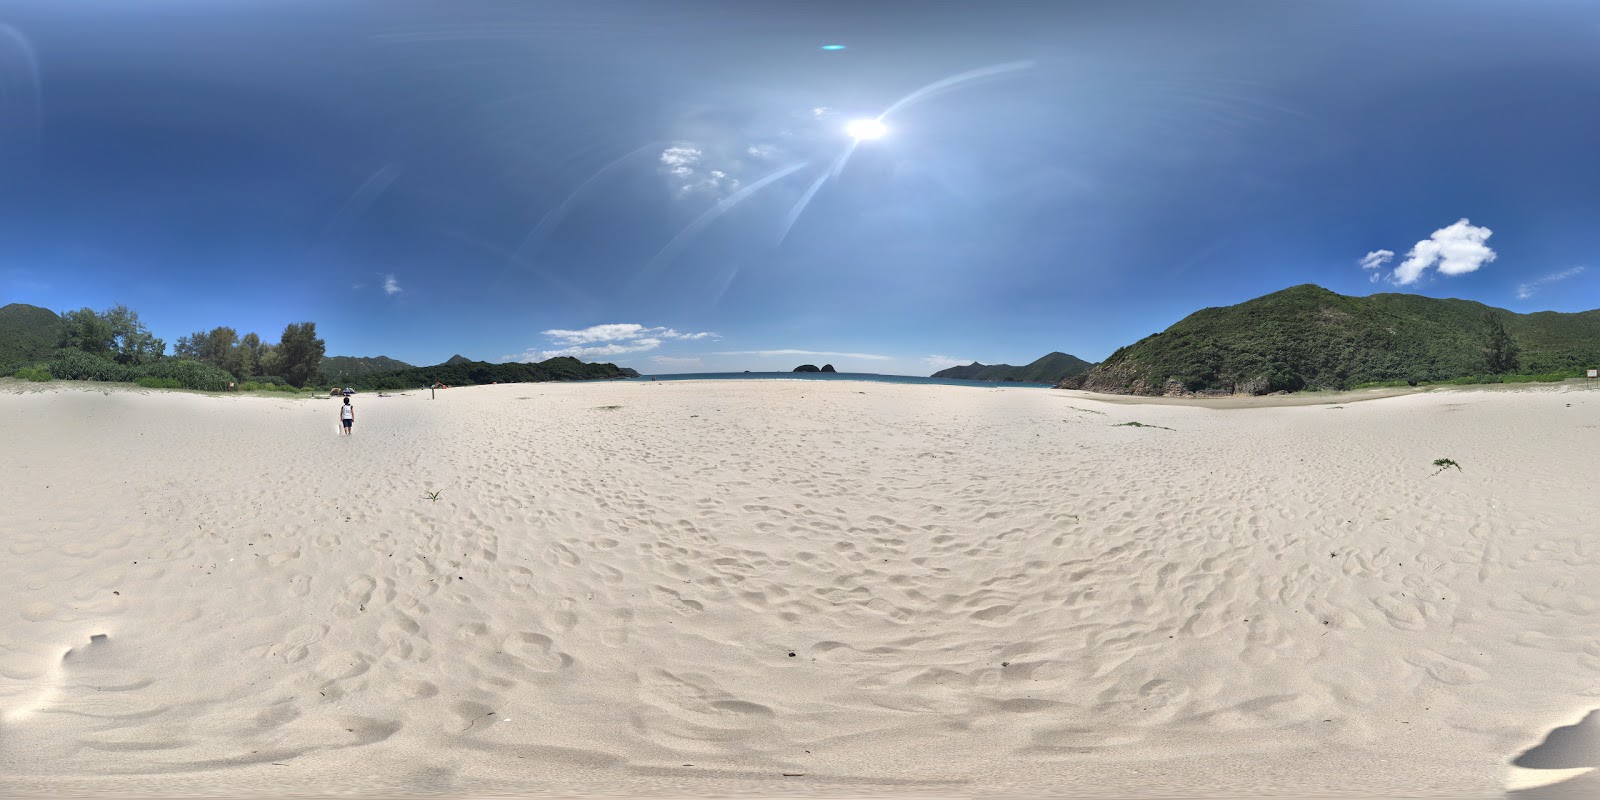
[831, 376]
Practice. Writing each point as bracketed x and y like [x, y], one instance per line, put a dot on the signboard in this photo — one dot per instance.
[1594, 373]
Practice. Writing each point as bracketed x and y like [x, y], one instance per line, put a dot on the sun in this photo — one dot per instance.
[866, 129]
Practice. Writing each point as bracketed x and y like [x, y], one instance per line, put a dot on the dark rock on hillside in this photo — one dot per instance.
[807, 368]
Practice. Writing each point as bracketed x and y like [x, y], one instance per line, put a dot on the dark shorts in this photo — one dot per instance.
[349, 422]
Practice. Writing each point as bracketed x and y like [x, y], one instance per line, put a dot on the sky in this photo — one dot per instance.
[704, 186]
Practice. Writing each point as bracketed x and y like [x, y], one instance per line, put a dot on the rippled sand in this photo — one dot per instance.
[792, 587]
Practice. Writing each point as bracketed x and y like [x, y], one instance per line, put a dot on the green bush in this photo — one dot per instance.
[35, 374]
[76, 365]
[189, 374]
[159, 383]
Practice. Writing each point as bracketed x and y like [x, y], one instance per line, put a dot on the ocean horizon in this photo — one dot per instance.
[870, 377]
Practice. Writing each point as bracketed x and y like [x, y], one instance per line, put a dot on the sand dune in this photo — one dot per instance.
[781, 587]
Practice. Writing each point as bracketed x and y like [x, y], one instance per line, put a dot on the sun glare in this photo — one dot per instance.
[866, 129]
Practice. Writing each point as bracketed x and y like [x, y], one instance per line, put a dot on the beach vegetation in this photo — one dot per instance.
[35, 374]
[1444, 464]
[1141, 425]
[470, 373]
[159, 383]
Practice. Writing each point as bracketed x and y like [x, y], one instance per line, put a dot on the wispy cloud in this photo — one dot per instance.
[945, 362]
[1529, 289]
[1376, 259]
[612, 339]
[390, 285]
[685, 164]
[802, 353]
[1455, 250]
[622, 331]
[683, 360]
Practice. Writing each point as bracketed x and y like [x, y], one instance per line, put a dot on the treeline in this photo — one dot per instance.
[294, 360]
[563, 368]
[114, 345]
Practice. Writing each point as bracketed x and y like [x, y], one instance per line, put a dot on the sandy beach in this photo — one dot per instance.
[779, 587]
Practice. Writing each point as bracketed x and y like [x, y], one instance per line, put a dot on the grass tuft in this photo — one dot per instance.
[1444, 464]
[1141, 425]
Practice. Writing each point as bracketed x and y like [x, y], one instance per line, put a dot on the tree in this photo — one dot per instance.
[87, 331]
[115, 333]
[221, 350]
[1502, 351]
[250, 350]
[299, 353]
[269, 360]
[132, 342]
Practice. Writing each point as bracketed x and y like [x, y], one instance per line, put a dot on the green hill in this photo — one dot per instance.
[27, 334]
[468, 373]
[1307, 337]
[1052, 368]
[340, 369]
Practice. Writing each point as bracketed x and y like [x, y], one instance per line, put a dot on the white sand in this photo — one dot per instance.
[985, 590]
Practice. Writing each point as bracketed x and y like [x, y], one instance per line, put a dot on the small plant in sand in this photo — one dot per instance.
[608, 408]
[434, 496]
[1141, 425]
[1087, 410]
[1444, 464]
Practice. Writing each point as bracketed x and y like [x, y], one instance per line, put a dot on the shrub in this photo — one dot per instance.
[76, 365]
[189, 374]
[35, 374]
[159, 383]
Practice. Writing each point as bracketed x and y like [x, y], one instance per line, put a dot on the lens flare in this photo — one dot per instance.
[869, 128]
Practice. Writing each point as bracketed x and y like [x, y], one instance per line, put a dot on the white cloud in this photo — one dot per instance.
[945, 362]
[1529, 289]
[802, 353]
[675, 359]
[600, 341]
[390, 285]
[621, 331]
[685, 164]
[1456, 250]
[1376, 258]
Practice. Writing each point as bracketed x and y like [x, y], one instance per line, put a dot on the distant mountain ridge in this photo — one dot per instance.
[1052, 368]
[340, 369]
[1307, 337]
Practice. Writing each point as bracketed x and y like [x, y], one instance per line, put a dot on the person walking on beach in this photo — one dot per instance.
[347, 414]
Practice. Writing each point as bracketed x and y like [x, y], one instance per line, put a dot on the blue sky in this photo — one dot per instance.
[661, 185]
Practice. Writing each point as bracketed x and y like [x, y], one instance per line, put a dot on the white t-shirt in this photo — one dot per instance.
[347, 412]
